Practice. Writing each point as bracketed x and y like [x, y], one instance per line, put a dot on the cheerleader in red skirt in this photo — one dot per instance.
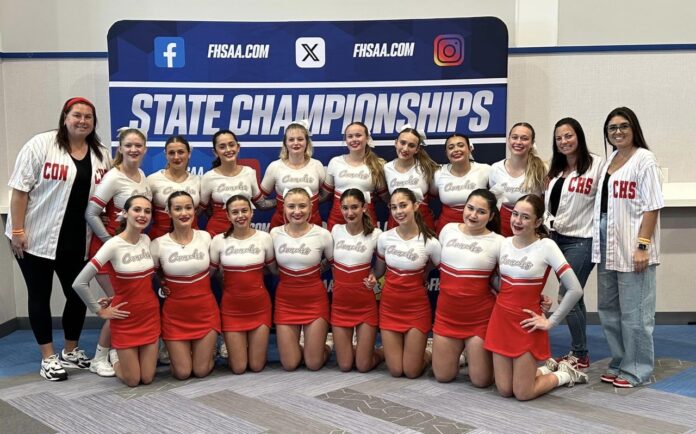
[354, 304]
[517, 332]
[242, 253]
[133, 310]
[469, 258]
[408, 251]
[302, 250]
[190, 316]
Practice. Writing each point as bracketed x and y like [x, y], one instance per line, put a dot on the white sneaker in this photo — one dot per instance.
[102, 368]
[462, 359]
[222, 351]
[576, 376]
[302, 338]
[74, 359]
[551, 364]
[355, 337]
[429, 346]
[52, 370]
[329, 341]
[162, 353]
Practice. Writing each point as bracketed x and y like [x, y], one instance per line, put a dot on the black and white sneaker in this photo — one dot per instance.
[52, 370]
[74, 359]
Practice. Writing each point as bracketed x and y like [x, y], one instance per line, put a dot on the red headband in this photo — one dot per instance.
[77, 100]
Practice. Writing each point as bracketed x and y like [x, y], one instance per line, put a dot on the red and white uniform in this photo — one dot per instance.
[508, 190]
[574, 215]
[218, 188]
[454, 190]
[112, 193]
[190, 310]
[162, 187]
[47, 173]
[340, 176]
[465, 302]
[414, 180]
[132, 282]
[353, 303]
[246, 304]
[404, 304]
[301, 296]
[279, 176]
[523, 274]
[633, 189]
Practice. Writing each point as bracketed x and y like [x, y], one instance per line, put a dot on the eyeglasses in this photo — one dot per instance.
[611, 129]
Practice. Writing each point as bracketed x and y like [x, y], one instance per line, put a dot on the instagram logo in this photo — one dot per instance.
[448, 50]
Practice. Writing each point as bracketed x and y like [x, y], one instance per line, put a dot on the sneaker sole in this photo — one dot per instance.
[623, 385]
[609, 380]
[57, 378]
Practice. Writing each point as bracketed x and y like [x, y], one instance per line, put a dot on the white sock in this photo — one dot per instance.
[544, 370]
[113, 355]
[563, 377]
[101, 353]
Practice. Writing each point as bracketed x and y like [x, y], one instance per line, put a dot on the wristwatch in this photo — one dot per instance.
[642, 246]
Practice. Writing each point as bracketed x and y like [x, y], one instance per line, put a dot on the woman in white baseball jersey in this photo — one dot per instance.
[361, 168]
[225, 179]
[408, 252]
[413, 169]
[174, 177]
[571, 187]
[469, 258]
[521, 173]
[626, 245]
[302, 250]
[243, 253]
[133, 309]
[124, 180]
[517, 332]
[54, 175]
[454, 182]
[190, 315]
[295, 168]
[354, 304]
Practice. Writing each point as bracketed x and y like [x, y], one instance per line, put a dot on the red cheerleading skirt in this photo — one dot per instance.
[190, 310]
[404, 304]
[218, 221]
[162, 223]
[246, 304]
[425, 212]
[300, 299]
[464, 305]
[278, 218]
[449, 215]
[352, 302]
[336, 217]
[505, 335]
[505, 214]
[142, 326]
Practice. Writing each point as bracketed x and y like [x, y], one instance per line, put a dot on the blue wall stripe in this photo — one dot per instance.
[512, 50]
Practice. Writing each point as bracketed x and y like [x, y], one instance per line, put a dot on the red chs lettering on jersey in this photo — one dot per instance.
[99, 174]
[580, 185]
[624, 189]
[55, 172]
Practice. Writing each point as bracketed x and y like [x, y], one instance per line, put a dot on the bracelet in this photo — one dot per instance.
[18, 231]
[644, 240]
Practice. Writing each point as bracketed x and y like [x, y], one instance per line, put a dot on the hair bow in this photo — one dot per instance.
[304, 123]
[305, 188]
[421, 134]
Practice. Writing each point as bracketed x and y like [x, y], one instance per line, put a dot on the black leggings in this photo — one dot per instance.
[38, 275]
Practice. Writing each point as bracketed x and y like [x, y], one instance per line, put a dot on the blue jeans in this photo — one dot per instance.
[626, 306]
[578, 253]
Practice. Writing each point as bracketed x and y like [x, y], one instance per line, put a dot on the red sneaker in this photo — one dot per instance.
[622, 383]
[608, 378]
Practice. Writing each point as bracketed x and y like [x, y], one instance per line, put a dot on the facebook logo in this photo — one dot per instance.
[170, 52]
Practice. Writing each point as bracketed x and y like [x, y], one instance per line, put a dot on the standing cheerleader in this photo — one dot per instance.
[454, 182]
[361, 168]
[522, 173]
[126, 179]
[354, 304]
[242, 252]
[174, 177]
[413, 169]
[517, 333]
[226, 179]
[133, 310]
[303, 250]
[190, 316]
[407, 252]
[469, 258]
[295, 169]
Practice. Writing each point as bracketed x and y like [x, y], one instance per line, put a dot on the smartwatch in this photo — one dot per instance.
[642, 246]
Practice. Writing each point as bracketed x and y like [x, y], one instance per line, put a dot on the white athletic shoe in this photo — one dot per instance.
[329, 341]
[429, 346]
[302, 338]
[551, 364]
[52, 370]
[102, 368]
[576, 376]
[162, 353]
[462, 359]
[222, 352]
[74, 359]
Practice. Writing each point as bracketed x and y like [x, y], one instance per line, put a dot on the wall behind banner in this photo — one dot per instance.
[542, 87]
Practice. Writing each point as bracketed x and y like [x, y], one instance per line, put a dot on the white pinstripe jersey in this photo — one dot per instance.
[352, 250]
[219, 187]
[162, 187]
[302, 253]
[633, 189]
[463, 252]
[576, 205]
[407, 255]
[117, 187]
[279, 176]
[506, 188]
[340, 176]
[47, 173]
[252, 253]
[182, 261]
[454, 190]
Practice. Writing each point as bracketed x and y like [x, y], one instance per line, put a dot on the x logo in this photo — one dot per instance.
[310, 52]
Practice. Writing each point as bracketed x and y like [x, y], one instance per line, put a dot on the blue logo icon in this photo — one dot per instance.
[170, 52]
